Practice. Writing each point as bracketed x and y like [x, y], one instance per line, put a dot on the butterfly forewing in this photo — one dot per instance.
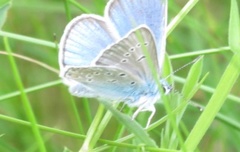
[131, 53]
[126, 15]
[83, 39]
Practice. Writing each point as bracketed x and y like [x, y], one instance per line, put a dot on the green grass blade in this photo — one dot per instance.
[102, 125]
[200, 52]
[234, 28]
[224, 87]
[130, 125]
[31, 89]
[167, 71]
[75, 111]
[181, 15]
[217, 100]
[28, 39]
[4, 6]
[193, 77]
[88, 145]
[82, 8]
[190, 84]
[67, 10]
[208, 89]
[221, 117]
[87, 107]
[42, 64]
[25, 100]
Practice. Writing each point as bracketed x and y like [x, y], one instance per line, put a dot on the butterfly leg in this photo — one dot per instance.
[137, 112]
[143, 108]
[153, 110]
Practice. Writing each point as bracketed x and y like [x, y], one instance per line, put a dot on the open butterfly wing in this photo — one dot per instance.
[84, 37]
[106, 82]
[80, 90]
[129, 54]
[126, 15]
[92, 64]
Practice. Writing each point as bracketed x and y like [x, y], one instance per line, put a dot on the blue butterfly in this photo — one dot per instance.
[103, 57]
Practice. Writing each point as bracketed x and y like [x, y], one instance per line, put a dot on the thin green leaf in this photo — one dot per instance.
[234, 28]
[87, 145]
[102, 125]
[66, 150]
[167, 71]
[221, 117]
[181, 15]
[217, 100]
[193, 77]
[25, 100]
[31, 89]
[42, 64]
[28, 39]
[190, 84]
[67, 10]
[131, 125]
[200, 52]
[224, 86]
[82, 8]
[4, 6]
[208, 89]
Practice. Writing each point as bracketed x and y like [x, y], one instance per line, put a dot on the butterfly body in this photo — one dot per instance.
[108, 57]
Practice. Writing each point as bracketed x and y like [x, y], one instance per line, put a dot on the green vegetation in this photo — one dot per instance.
[37, 113]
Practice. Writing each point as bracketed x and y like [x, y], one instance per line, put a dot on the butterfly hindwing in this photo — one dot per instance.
[80, 90]
[106, 82]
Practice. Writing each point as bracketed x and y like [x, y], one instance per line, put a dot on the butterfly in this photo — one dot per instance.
[106, 57]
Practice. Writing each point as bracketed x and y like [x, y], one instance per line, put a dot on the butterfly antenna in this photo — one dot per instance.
[167, 87]
[184, 66]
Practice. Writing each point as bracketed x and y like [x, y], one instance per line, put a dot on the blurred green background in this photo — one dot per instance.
[205, 27]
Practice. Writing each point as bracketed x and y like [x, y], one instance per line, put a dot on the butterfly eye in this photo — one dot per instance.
[146, 43]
